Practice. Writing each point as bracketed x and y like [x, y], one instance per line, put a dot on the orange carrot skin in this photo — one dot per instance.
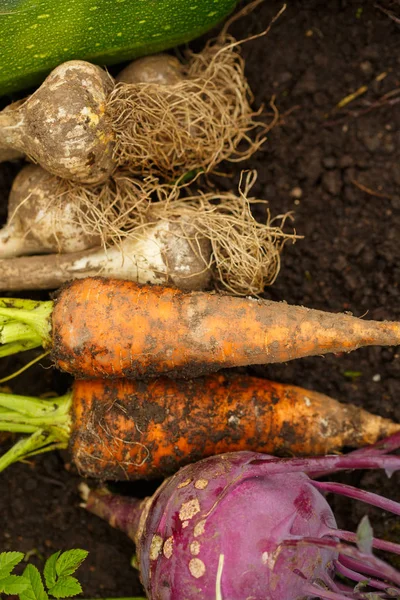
[112, 328]
[129, 429]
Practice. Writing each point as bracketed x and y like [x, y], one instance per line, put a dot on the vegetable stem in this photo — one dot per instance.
[13, 331]
[15, 347]
[121, 512]
[37, 443]
[48, 421]
[25, 324]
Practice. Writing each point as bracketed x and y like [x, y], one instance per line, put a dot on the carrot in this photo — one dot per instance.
[112, 328]
[130, 429]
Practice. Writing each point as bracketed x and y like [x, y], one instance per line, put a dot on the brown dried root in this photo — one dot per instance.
[168, 130]
[110, 210]
[245, 253]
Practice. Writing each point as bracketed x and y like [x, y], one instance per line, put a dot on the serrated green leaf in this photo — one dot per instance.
[49, 571]
[69, 561]
[9, 560]
[365, 536]
[66, 587]
[13, 584]
[35, 589]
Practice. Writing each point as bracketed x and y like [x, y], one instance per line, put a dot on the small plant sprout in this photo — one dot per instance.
[248, 525]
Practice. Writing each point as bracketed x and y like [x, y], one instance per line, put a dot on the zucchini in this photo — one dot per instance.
[38, 35]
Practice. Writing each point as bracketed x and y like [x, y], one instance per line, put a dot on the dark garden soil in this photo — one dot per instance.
[338, 170]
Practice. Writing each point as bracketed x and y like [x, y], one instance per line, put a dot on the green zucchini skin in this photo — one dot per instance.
[38, 35]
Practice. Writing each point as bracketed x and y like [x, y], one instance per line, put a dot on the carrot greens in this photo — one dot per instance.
[56, 581]
[57, 576]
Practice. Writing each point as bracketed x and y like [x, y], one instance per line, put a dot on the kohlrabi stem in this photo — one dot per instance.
[121, 512]
[313, 466]
[17, 313]
[376, 566]
[360, 566]
[48, 421]
[356, 494]
[350, 574]
[349, 536]
[316, 591]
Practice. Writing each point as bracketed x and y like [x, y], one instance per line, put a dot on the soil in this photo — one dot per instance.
[338, 170]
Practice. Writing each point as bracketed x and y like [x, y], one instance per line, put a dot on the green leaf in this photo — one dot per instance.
[49, 571]
[69, 561]
[66, 587]
[365, 536]
[9, 560]
[13, 585]
[35, 589]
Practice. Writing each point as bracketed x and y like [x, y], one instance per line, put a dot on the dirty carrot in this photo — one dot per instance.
[112, 328]
[129, 429]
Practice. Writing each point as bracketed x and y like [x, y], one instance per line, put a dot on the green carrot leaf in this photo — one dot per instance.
[69, 562]
[49, 571]
[9, 560]
[13, 585]
[66, 587]
[35, 588]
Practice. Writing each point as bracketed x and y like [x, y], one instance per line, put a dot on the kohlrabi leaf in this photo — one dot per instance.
[49, 571]
[69, 561]
[9, 560]
[66, 587]
[35, 589]
[13, 585]
[365, 536]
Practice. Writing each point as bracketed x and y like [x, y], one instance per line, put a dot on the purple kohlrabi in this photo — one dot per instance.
[248, 526]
